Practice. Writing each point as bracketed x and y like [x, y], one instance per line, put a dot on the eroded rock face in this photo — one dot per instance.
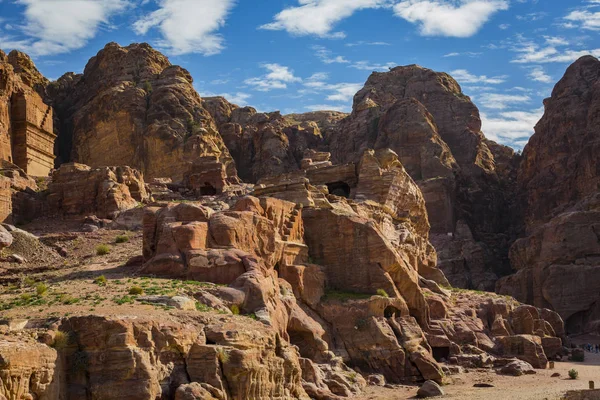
[435, 129]
[559, 162]
[268, 144]
[557, 261]
[28, 369]
[140, 358]
[132, 107]
[77, 189]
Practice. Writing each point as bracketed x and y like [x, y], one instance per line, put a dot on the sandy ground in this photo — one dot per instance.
[528, 387]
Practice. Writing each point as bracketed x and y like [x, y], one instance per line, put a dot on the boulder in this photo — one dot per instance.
[6, 238]
[525, 347]
[430, 389]
[517, 368]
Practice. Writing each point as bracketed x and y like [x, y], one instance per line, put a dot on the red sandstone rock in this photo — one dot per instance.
[556, 263]
[77, 189]
[132, 107]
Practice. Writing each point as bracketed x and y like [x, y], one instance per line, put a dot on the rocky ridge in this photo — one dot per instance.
[556, 261]
[344, 260]
[132, 107]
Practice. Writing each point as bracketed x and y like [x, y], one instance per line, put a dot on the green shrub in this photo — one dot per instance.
[382, 293]
[573, 374]
[26, 297]
[136, 291]
[102, 250]
[41, 289]
[147, 87]
[67, 299]
[122, 300]
[29, 281]
[235, 309]
[353, 377]
[122, 239]
[100, 281]
[202, 307]
[61, 340]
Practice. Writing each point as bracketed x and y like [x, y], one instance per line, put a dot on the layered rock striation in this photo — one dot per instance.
[132, 107]
[269, 144]
[435, 129]
[556, 263]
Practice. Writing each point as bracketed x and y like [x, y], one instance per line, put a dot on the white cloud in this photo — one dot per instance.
[368, 66]
[239, 98]
[499, 101]
[585, 19]
[277, 78]
[556, 41]
[337, 92]
[465, 54]
[551, 55]
[464, 76]
[365, 43]
[187, 26]
[553, 50]
[343, 91]
[539, 75]
[219, 81]
[60, 26]
[319, 17]
[511, 127]
[326, 56]
[455, 18]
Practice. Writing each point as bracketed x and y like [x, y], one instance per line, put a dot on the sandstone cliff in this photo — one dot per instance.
[556, 263]
[424, 117]
[269, 144]
[132, 107]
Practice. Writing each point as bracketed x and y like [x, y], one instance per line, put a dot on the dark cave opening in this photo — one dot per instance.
[391, 312]
[208, 190]
[440, 353]
[341, 189]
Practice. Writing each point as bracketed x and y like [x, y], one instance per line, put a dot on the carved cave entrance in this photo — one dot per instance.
[208, 190]
[441, 353]
[391, 312]
[340, 188]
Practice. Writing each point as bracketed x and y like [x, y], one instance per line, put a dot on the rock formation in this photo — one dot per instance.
[557, 261]
[26, 126]
[435, 129]
[337, 268]
[77, 189]
[344, 276]
[269, 144]
[132, 107]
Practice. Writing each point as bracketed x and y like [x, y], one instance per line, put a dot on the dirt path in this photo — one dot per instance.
[528, 387]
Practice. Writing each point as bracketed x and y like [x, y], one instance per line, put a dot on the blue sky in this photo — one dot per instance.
[303, 55]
